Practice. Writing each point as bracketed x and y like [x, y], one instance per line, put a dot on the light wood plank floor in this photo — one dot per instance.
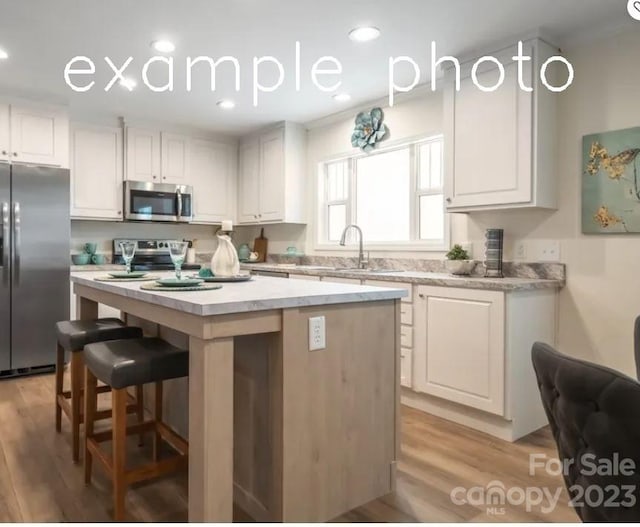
[38, 481]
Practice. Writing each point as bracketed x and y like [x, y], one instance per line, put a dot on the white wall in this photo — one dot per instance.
[419, 114]
[602, 297]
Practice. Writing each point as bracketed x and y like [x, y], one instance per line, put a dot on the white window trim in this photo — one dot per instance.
[321, 219]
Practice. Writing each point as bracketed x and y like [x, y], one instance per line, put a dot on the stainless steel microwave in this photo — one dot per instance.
[144, 201]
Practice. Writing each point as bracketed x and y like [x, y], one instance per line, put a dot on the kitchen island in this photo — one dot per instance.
[287, 433]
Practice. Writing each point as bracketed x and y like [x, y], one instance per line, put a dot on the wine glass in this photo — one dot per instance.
[128, 252]
[178, 251]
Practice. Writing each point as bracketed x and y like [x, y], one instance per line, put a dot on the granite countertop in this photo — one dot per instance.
[92, 267]
[416, 277]
[261, 293]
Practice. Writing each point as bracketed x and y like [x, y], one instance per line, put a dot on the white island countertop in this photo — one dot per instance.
[259, 294]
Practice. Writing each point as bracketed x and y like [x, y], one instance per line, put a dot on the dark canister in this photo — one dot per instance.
[493, 253]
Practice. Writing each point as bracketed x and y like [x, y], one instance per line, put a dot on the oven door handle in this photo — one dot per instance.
[179, 202]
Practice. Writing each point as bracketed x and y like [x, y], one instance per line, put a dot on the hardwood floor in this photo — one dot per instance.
[38, 481]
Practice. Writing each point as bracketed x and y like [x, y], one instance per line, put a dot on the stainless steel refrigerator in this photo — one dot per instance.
[34, 249]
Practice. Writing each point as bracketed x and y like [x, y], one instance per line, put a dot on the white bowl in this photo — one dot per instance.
[460, 267]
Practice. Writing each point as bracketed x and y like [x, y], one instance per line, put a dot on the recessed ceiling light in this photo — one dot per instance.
[128, 83]
[342, 97]
[163, 46]
[3, 54]
[226, 104]
[364, 34]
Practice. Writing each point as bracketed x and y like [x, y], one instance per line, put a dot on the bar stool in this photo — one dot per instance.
[121, 364]
[73, 336]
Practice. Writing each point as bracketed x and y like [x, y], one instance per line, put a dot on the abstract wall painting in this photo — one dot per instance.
[611, 182]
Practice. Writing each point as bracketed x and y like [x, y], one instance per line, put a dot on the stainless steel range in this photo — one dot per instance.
[151, 255]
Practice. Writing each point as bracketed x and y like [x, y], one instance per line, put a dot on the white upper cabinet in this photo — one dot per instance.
[96, 172]
[499, 146]
[175, 158]
[142, 155]
[5, 134]
[35, 135]
[213, 172]
[272, 176]
[249, 183]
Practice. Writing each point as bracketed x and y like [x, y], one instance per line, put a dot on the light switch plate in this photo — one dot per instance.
[317, 334]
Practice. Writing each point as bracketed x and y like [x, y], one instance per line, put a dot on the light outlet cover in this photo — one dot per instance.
[317, 334]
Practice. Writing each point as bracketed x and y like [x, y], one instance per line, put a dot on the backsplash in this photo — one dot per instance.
[103, 234]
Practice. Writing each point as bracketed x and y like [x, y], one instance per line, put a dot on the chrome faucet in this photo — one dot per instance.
[362, 262]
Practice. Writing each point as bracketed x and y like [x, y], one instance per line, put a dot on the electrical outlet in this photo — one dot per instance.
[317, 334]
[520, 251]
[550, 251]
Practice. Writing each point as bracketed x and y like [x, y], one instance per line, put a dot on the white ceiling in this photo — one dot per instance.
[42, 35]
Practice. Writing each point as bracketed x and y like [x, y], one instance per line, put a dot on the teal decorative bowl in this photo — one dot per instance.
[81, 259]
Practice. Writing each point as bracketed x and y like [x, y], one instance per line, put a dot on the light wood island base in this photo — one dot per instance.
[288, 434]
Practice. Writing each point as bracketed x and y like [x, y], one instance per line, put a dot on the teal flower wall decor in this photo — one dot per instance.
[369, 130]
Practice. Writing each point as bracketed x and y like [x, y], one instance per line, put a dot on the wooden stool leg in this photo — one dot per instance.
[157, 417]
[140, 411]
[119, 418]
[77, 379]
[59, 385]
[90, 406]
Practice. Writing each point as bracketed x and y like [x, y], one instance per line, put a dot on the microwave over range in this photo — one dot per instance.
[144, 201]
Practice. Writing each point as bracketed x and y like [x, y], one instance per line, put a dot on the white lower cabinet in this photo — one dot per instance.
[406, 329]
[307, 277]
[336, 280]
[459, 346]
[472, 356]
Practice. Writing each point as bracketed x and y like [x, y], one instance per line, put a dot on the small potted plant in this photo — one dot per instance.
[458, 261]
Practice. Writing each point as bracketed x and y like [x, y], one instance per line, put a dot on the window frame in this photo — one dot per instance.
[321, 242]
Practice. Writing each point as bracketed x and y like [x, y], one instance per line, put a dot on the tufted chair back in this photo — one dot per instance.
[594, 413]
[636, 346]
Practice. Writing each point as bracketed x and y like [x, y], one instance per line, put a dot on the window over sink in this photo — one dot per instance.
[394, 194]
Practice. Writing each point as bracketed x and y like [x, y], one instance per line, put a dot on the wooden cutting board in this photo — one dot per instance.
[260, 247]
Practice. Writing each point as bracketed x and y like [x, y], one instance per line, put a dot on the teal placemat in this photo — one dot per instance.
[158, 287]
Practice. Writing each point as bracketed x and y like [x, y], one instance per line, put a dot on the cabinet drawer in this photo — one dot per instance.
[396, 285]
[305, 277]
[335, 280]
[406, 336]
[406, 314]
[405, 367]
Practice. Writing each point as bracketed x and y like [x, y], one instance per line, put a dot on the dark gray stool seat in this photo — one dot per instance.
[74, 335]
[124, 363]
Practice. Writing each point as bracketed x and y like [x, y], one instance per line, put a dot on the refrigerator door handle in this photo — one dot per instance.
[16, 243]
[6, 245]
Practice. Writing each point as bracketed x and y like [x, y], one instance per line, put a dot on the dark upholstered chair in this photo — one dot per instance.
[596, 411]
[636, 346]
